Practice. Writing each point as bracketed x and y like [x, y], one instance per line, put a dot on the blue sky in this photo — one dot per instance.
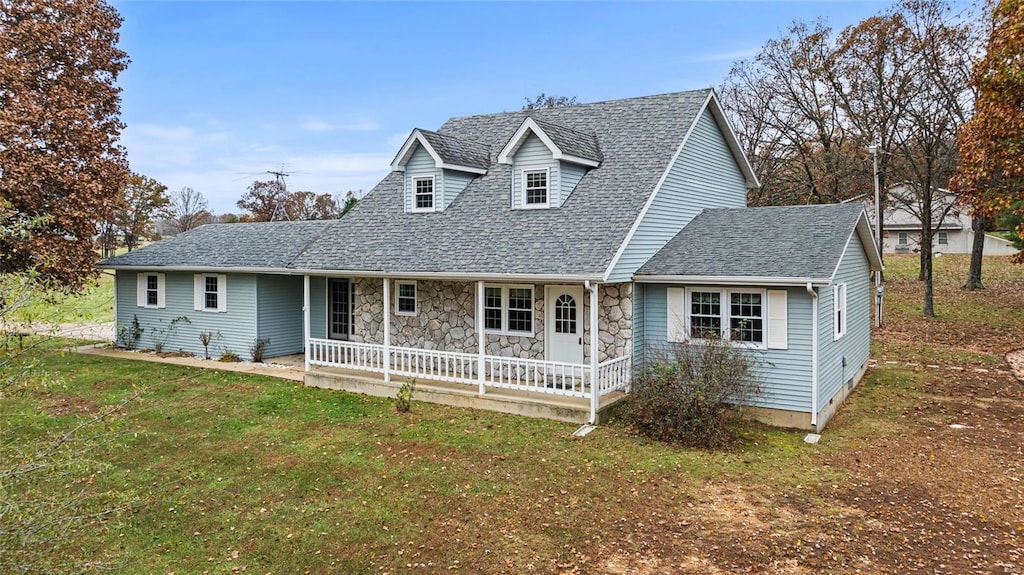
[218, 92]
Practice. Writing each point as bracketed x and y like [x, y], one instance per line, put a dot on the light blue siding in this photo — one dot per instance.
[570, 175]
[318, 307]
[784, 374]
[232, 330]
[705, 175]
[279, 313]
[454, 182]
[855, 346]
[421, 165]
[534, 155]
[639, 320]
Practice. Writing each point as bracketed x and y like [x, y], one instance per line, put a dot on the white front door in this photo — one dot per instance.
[564, 323]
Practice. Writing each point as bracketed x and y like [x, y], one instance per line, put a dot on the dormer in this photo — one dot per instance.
[547, 160]
[437, 167]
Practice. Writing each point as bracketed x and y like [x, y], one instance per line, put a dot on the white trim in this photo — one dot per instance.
[733, 142]
[398, 297]
[505, 309]
[305, 321]
[522, 188]
[657, 188]
[594, 325]
[675, 314]
[778, 319]
[199, 293]
[417, 137]
[433, 194]
[530, 125]
[142, 290]
[481, 337]
[549, 313]
[387, 329]
[731, 280]
[840, 311]
[814, 354]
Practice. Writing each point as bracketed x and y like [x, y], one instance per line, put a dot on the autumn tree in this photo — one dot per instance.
[312, 206]
[188, 210]
[144, 200]
[264, 201]
[991, 146]
[542, 100]
[59, 127]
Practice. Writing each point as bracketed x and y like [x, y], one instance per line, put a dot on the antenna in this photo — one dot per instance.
[279, 177]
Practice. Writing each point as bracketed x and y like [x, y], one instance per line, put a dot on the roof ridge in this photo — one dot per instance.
[585, 105]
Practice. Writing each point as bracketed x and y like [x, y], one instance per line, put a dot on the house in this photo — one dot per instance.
[952, 231]
[495, 265]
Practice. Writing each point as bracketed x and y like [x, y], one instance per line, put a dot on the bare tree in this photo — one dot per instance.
[542, 100]
[188, 210]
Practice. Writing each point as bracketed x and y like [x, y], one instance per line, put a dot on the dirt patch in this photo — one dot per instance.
[65, 405]
[1016, 361]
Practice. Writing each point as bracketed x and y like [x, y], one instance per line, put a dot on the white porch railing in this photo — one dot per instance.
[569, 379]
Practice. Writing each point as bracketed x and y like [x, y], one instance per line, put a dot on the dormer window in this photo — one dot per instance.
[535, 186]
[424, 194]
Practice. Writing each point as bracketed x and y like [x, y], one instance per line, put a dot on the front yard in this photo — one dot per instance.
[228, 473]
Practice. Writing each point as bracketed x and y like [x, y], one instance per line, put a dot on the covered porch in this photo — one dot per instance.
[490, 369]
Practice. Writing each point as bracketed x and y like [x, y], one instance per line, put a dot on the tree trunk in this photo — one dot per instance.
[977, 250]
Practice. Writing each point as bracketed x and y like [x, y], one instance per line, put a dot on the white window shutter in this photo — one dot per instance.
[778, 322]
[161, 291]
[676, 307]
[140, 290]
[222, 293]
[197, 292]
[836, 328]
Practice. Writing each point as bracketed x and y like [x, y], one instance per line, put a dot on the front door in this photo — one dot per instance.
[564, 323]
[339, 308]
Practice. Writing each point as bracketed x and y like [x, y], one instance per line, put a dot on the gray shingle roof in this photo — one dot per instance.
[570, 141]
[480, 233]
[458, 151]
[770, 242]
[246, 245]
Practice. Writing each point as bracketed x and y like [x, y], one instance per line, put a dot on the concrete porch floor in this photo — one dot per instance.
[530, 404]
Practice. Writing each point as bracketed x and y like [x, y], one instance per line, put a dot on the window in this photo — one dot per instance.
[508, 309]
[565, 314]
[741, 320]
[705, 314]
[943, 238]
[339, 308]
[903, 239]
[423, 194]
[211, 292]
[150, 288]
[746, 315]
[535, 188]
[839, 310]
[405, 300]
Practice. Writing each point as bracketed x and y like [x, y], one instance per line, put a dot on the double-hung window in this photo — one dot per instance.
[943, 238]
[839, 310]
[150, 290]
[903, 238]
[211, 292]
[405, 300]
[423, 194]
[535, 188]
[734, 315]
[508, 310]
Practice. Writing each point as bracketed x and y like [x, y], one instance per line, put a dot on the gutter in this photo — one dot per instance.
[814, 355]
[731, 280]
[473, 276]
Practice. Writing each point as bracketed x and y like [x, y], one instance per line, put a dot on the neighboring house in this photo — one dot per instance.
[952, 234]
[482, 264]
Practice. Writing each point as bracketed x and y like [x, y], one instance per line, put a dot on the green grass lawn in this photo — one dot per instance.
[227, 473]
[95, 304]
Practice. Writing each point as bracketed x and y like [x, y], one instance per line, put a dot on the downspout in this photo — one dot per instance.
[592, 288]
[814, 355]
[305, 318]
[387, 330]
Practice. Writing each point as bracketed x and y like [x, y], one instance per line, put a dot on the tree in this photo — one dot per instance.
[542, 100]
[188, 210]
[59, 128]
[311, 206]
[264, 201]
[144, 200]
[991, 170]
[351, 199]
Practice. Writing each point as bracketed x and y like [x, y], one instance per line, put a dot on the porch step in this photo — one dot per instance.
[529, 404]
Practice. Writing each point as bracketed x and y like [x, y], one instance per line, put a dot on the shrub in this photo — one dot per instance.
[204, 338]
[128, 335]
[403, 400]
[161, 335]
[229, 356]
[257, 348]
[690, 397]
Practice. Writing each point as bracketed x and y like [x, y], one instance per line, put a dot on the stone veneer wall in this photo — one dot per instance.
[445, 320]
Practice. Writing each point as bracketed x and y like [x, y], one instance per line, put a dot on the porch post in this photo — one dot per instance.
[593, 353]
[305, 319]
[387, 330]
[480, 337]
